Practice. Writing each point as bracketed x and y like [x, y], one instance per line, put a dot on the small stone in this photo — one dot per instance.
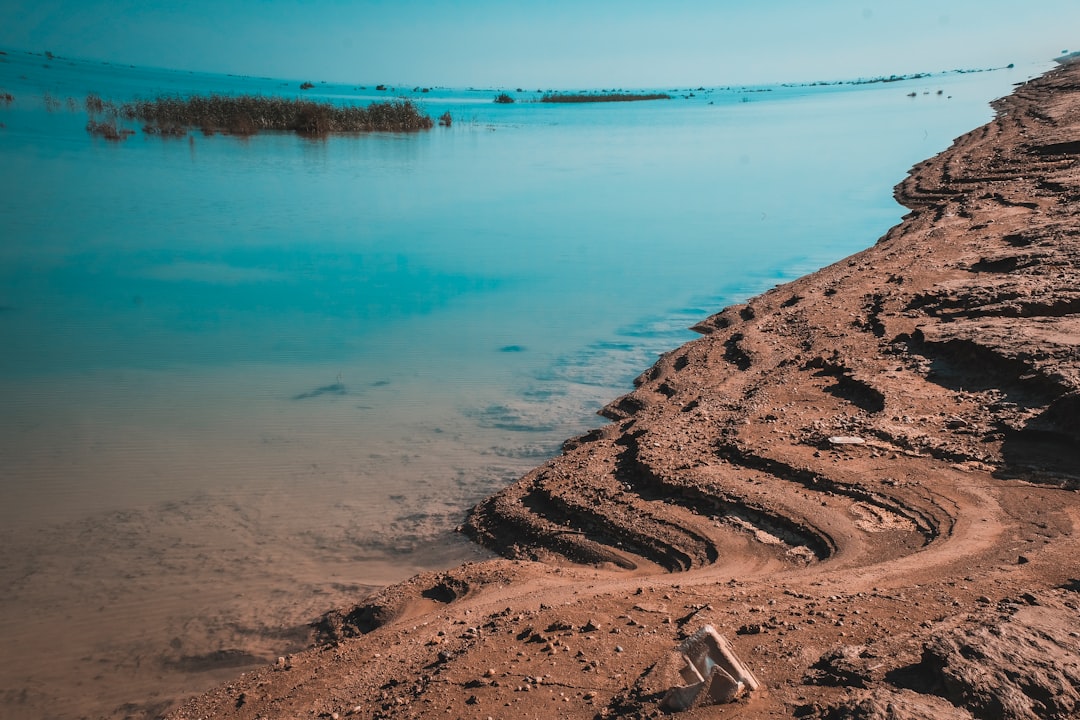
[489, 673]
[618, 648]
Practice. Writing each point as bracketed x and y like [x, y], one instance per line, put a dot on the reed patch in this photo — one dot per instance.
[246, 115]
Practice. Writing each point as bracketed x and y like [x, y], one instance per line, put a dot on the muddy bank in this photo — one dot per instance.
[864, 478]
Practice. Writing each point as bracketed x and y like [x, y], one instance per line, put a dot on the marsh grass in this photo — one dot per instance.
[165, 130]
[94, 104]
[249, 114]
[109, 129]
[104, 119]
[601, 97]
[504, 99]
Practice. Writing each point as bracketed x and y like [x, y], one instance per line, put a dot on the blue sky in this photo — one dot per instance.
[548, 43]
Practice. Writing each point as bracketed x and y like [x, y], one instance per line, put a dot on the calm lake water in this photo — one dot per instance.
[244, 381]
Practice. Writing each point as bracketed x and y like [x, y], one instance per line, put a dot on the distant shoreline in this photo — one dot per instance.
[601, 97]
[420, 90]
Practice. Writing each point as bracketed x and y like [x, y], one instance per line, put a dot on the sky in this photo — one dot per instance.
[549, 43]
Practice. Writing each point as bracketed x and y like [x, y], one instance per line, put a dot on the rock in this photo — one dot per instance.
[846, 440]
[1025, 667]
[887, 704]
[843, 666]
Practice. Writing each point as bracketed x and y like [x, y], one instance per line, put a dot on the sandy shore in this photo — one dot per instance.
[864, 478]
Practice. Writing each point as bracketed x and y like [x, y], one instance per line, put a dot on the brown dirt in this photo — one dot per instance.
[864, 478]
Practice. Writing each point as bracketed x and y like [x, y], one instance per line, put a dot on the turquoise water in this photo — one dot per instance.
[311, 357]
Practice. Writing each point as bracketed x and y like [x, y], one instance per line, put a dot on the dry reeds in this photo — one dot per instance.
[165, 130]
[108, 129]
[249, 114]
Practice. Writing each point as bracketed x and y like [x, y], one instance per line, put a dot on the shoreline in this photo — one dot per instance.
[722, 492]
[177, 510]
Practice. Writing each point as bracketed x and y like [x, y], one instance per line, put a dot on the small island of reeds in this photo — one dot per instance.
[250, 114]
[601, 97]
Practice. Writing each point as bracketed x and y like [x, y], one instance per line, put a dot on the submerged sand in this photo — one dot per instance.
[864, 478]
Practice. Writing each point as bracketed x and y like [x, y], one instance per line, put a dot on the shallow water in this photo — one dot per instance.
[247, 380]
